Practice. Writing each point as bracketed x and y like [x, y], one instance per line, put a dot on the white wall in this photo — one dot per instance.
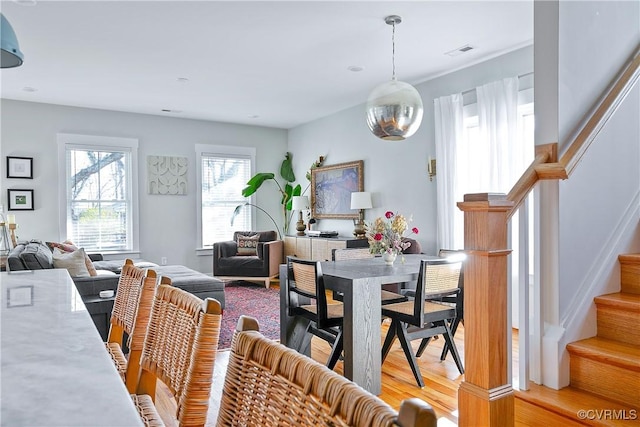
[167, 223]
[396, 172]
[599, 202]
[598, 207]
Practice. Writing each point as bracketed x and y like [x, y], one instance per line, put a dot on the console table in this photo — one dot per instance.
[319, 248]
[55, 370]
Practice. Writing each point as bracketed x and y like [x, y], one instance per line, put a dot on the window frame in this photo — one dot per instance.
[105, 143]
[218, 150]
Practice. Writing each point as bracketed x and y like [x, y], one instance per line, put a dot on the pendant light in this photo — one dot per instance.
[11, 55]
[394, 109]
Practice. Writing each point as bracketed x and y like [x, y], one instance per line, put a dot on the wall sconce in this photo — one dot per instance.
[431, 168]
[300, 203]
[360, 200]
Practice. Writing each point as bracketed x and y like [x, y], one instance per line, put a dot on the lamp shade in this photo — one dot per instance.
[361, 200]
[394, 110]
[299, 203]
[11, 54]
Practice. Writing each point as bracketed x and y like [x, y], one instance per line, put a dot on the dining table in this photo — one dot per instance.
[55, 369]
[360, 281]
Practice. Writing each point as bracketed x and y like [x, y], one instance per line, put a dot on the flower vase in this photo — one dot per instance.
[389, 257]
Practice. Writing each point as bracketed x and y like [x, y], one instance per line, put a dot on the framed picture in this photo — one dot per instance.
[20, 167]
[20, 200]
[332, 187]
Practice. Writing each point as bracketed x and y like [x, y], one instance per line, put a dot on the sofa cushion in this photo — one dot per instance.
[248, 245]
[251, 266]
[36, 256]
[74, 262]
[116, 265]
[68, 247]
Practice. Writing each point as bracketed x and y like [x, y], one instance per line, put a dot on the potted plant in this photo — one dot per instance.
[287, 191]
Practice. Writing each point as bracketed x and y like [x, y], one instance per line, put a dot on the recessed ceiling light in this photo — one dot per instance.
[355, 68]
[182, 79]
[29, 89]
[459, 51]
[25, 2]
[166, 110]
[253, 116]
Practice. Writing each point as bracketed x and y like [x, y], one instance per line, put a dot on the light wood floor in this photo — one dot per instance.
[441, 380]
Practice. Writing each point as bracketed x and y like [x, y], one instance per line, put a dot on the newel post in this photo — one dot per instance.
[485, 397]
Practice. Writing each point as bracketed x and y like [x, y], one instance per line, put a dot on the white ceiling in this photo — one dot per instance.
[285, 62]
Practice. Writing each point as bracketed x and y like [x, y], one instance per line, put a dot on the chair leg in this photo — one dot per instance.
[388, 341]
[423, 346]
[336, 351]
[406, 346]
[452, 346]
[454, 328]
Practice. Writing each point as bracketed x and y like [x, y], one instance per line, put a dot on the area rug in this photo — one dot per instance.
[252, 300]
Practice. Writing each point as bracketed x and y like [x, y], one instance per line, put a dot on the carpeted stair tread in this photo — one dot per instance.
[607, 351]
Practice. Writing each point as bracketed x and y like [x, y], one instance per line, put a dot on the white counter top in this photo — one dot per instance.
[55, 370]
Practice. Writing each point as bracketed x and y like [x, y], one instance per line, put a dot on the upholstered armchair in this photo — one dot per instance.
[253, 256]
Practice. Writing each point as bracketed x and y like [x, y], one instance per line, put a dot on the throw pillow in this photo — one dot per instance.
[74, 262]
[248, 245]
[68, 246]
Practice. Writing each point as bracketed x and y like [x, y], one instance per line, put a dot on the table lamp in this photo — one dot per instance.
[360, 200]
[300, 203]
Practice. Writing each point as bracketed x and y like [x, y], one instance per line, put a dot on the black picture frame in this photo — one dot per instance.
[331, 188]
[20, 167]
[20, 200]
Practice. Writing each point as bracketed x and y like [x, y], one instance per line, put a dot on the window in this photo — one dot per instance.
[99, 212]
[223, 173]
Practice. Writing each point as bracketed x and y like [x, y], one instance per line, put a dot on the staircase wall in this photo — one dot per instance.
[598, 213]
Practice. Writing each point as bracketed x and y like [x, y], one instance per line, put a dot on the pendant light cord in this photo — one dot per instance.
[393, 50]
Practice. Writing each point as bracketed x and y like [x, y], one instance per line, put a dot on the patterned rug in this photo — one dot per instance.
[253, 300]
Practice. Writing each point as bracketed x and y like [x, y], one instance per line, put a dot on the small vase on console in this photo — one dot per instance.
[389, 257]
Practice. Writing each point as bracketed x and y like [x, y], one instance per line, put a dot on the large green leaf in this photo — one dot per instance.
[286, 169]
[292, 191]
[255, 182]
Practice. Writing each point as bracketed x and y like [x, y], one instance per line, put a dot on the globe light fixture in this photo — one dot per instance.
[394, 109]
[11, 54]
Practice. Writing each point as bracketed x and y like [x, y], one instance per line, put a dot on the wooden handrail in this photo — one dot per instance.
[621, 86]
[546, 164]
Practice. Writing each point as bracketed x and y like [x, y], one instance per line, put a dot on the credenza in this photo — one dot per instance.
[319, 248]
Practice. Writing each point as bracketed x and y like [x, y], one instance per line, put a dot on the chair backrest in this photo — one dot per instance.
[180, 350]
[136, 339]
[305, 278]
[126, 303]
[458, 255]
[264, 378]
[437, 278]
[350, 253]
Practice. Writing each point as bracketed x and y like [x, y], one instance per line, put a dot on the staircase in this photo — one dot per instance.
[605, 369]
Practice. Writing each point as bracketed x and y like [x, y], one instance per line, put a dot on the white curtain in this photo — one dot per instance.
[498, 126]
[448, 130]
[482, 153]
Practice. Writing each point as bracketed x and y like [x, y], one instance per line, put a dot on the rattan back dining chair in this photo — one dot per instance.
[387, 296]
[179, 350]
[457, 300]
[130, 316]
[422, 317]
[270, 385]
[304, 283]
